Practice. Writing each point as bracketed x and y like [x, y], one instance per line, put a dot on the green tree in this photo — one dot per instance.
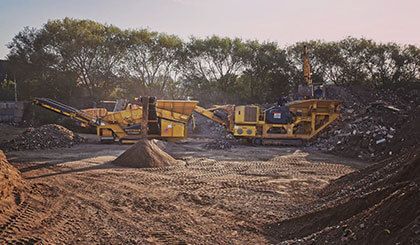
[267, 76]
[35, 70]
[355, 54]
[91, 50]
[212, 65]
[151, 62]
[69, 57]
[410, 70]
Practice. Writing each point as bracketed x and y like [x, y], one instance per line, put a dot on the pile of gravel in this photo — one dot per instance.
[145, 154]
[206, 128]
[372, 126]
[218, 144]
[44, 137]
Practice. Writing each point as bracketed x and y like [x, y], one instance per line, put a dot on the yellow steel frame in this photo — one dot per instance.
[318, 114]
[174, 117]
[83, 121]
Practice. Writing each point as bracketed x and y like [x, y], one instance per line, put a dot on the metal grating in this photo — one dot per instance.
[250, 114]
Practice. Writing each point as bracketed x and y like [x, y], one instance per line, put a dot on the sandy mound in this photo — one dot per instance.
[44, 137]
[145, 154]
[376, 205]
[11, 184]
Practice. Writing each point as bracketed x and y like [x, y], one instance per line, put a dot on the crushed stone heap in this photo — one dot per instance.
[145, 154]
[218, 144]
[44, 137]
[374, 125]
[206, 128]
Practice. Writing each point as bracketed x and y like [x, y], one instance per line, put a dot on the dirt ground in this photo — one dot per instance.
[76, 196]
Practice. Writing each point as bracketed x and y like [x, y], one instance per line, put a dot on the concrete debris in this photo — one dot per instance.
[44, 137]
[207, 128]
[218, 144]
[393, 108]
[371, 123]
[380, 141]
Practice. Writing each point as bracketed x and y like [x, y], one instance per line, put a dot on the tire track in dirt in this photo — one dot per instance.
[20, 222]
[67, 219]
[203, 201]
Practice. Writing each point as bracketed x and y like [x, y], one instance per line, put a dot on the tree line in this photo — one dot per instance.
[71, 59]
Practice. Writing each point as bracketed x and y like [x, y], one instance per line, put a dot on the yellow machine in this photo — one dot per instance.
[291, 123]
[167, 119]
[171, 121]
[288, 124]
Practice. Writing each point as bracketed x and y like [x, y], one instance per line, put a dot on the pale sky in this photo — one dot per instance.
[283, 21]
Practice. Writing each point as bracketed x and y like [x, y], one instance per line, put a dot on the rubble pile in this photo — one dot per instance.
[207, 128]
[44, 137]
[218, 144]
[375, 205]
[371, 124]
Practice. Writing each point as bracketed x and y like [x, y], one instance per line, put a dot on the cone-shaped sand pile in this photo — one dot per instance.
[145, 154]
